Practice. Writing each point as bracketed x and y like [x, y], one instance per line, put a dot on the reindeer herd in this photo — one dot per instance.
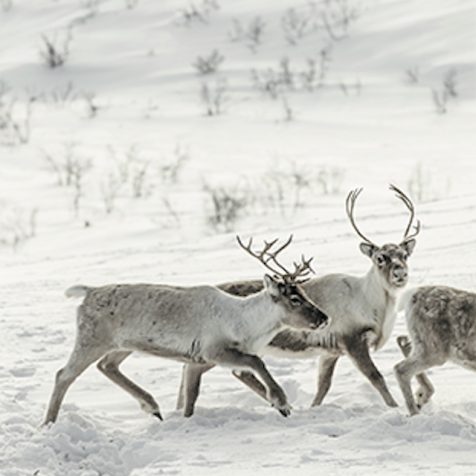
[286, 314]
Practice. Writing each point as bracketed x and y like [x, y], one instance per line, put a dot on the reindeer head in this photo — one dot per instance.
[389, 260]
[284, 287]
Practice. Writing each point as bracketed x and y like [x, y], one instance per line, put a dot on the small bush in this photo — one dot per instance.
[213, 97]
[227, 205]
[209, 64]
[54, 51]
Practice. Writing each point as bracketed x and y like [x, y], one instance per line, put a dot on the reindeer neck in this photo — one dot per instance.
[377, 293]
[261, 314]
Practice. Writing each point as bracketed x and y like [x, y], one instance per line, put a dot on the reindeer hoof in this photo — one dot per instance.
[284, 411]
[403, 341]
[158, 415]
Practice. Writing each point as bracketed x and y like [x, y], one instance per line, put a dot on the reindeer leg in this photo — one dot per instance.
[426, 389]
[249, 379]
[191, 380]
[327, 366]
[237, 359]
[109, 366]
[404, 372]
[358, 351]
[180, 397]
[81, 358]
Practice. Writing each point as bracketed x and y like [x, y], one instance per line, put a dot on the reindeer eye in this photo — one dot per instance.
[380, 260]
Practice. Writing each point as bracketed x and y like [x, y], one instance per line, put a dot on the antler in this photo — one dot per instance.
[265, 256]
[409, 204]
[349, 206]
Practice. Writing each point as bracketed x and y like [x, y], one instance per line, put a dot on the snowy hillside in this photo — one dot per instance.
[137, 137]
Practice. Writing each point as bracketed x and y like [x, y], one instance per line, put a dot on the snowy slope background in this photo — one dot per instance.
[392, 100]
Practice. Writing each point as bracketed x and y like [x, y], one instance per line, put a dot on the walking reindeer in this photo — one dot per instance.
[362, 309]
[202, 326]
[441, 322]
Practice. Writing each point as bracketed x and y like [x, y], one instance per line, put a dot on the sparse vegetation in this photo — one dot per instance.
[198, 12]
[68, 166]
[209, 64]
[92, 107]
[251, 34]
[171, 170]
[213, 96]
[226, 205]
[54, 50]
[274, 82]
[15, 118]
[412, 75]
[296, 25]
[17, 225]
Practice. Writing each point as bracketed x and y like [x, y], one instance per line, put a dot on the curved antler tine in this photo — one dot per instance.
[417, 228]
[238, 239]
[261, 255]
[409, 205]
[287, 243]
[349, 206]
[308, 263]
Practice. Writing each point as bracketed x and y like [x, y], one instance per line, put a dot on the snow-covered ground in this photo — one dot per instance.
[368, 120]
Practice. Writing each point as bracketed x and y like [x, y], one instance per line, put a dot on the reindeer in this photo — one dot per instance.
[201, 325]
[363, 311]
[441, 322]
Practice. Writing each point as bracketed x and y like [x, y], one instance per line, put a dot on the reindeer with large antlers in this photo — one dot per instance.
[202, 326]
[362, 309]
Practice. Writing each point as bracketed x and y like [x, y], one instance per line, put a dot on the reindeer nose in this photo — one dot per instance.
[400, 273]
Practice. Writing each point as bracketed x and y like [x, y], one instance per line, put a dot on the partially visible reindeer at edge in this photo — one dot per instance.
[200, 325]
[441, 322]
[362, 309]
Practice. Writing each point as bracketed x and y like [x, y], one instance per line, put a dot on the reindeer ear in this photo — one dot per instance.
[408, 245]
[368, 249]
[272, 286]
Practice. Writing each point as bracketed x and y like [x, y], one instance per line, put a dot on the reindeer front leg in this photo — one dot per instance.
[275, 394]
[358, 351]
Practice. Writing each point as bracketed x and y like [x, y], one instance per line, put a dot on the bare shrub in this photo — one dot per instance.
[226, 205]
[213, 96]
[62, 95]
[209, 64]
[198, 12]
[349, 89]
[336, 16]
[290, 185]
[170, 171]
[15, 125]
[440, 100]
[330, 179]
[446, 92]
[54, 50]
[79, 168]
[16, 225]
[274, 82]
[412, 75]
[288, 112]
[296, 25]
[251, 34]
[450, 83]
[267, 81]
[92, 107]
[110, 190]
[69, 168]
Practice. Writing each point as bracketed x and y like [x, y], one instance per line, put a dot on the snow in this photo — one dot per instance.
[138, 63]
